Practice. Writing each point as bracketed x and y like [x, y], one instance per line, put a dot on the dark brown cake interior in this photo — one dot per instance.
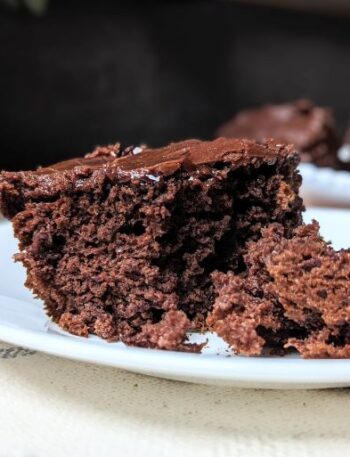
[125, 248]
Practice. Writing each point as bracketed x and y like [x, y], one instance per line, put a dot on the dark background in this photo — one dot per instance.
[96, 72]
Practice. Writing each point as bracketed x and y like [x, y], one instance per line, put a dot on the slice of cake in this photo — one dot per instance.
[123, 245]
[295, 293]
[310, 128]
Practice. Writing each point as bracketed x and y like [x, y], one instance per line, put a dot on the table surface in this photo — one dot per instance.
[51, 406]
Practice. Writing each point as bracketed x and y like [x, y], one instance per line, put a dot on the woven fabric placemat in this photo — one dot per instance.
[58, 408]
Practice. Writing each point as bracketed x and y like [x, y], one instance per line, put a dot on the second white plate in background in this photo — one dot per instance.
[325, 186]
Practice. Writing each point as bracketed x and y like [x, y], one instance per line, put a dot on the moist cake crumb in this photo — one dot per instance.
[295, 293]
[122, 243]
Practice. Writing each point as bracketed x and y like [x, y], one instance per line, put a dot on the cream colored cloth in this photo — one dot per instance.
[52, 407]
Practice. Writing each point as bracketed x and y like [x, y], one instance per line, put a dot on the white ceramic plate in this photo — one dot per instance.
[23, 322]
[325, 186]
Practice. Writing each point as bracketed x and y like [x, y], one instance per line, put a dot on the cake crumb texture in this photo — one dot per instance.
[295, 293]
[122, 245]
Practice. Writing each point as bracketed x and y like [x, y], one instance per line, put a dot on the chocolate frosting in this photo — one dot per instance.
[188, 154]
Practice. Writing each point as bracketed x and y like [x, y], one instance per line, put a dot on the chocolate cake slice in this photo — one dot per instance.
[295, 293]
[310, 128]
[123, 245]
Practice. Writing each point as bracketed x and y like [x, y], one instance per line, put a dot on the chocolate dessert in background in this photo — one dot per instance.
[89, 73]
[312, 130]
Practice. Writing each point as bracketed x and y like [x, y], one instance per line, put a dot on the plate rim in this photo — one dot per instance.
[234, 369]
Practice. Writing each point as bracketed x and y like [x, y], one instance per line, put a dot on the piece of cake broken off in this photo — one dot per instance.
[124, 247]
[295, 293]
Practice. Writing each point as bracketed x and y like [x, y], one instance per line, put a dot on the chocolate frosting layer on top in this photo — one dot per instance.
[188, 154]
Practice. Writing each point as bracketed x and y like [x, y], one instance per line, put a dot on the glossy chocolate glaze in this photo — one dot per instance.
[188, 154]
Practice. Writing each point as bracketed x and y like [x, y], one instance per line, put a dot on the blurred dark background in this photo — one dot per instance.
[84, 73]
